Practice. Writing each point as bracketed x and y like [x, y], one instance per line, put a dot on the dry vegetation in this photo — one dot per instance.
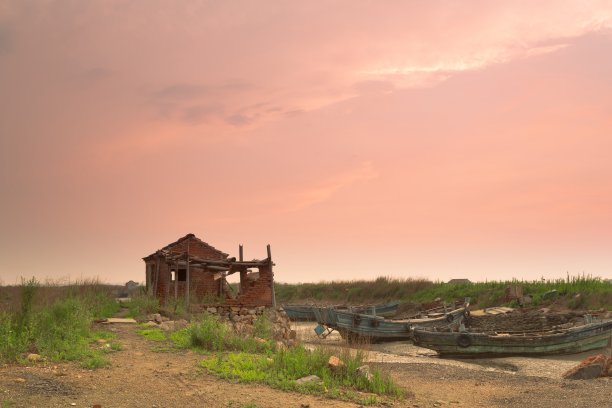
[574, 292]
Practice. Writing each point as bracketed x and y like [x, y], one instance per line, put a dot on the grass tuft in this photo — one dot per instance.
[286, 366]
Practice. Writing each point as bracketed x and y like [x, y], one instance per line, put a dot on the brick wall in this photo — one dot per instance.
[197, 248]
[255, 293]
[202, 282]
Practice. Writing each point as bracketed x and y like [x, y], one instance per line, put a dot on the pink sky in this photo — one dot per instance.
[408, 139]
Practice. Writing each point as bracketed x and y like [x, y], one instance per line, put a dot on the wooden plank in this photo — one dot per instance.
[187, 290]
[176, 281]
[157, 261]
[272, 275]
[111, 320]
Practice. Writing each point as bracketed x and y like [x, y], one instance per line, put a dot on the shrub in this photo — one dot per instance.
[142, 305]
[262, 327]
[62, 330]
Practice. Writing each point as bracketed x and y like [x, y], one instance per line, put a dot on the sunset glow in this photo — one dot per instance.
[359, 139]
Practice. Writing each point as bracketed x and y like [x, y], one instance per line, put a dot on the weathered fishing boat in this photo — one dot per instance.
[307, 312]
[571, 340]
[384, 309]
[299, 312]
[355, 326]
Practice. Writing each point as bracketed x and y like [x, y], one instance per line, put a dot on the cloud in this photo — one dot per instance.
[189, 91]
[325, 189]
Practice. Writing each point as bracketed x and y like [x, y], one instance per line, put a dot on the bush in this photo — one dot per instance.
[61, 331]
[142, 305]
[262, 328]
[58, 329]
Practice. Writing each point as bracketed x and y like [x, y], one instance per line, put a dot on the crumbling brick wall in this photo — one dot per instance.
[202, 282]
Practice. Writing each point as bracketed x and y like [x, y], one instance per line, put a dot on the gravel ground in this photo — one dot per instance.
[142, 376]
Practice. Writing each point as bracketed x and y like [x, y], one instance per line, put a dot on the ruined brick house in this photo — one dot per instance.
[193, 270]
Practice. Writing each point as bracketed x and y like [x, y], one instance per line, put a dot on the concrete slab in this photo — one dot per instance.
[111, 320]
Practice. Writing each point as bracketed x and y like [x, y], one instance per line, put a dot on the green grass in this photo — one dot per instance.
[594, 292]
[141, 305]
[283, 368]
[58, 329]
[153, 334]
[356, 291]
[258, 359]
[213, 335]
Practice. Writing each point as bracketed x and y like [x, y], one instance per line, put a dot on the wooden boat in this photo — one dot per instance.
[355, 326]
[299, 312]
[571, 340]
[384, 309]
[306, 312]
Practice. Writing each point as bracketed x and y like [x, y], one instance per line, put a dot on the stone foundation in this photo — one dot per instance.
[242, 320]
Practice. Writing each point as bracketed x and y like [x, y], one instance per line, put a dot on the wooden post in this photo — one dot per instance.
[168, 280]
[240, 257]
[149, 275]
[187, 290]
[156, 280]
[176, 281]
[271, 273]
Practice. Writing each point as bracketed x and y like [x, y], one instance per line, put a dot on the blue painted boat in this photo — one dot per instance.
[299, 312]
[307, 312]
[384, 309]
[355, 326]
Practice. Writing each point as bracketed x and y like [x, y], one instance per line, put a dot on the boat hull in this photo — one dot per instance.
[569, 341]
[375, 328]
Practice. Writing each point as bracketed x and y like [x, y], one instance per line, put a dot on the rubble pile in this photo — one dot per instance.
[164, 323]
[242, 319]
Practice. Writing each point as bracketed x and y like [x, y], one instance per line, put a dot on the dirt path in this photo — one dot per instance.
[142, 377]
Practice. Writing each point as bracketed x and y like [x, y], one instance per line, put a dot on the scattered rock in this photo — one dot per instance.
[308, 379]
[364, 371]
[150, 324]
[180, 324]
[168, 326]
[159, 318]
[211, 310]
[592, 367]
[20, 380]
[334, 363]
[34, 357]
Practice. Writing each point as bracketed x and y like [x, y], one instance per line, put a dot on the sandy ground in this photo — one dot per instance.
[140, 376]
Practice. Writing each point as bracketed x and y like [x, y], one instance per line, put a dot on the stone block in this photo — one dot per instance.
[308, 379]
[592, 367]
[334, 363]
